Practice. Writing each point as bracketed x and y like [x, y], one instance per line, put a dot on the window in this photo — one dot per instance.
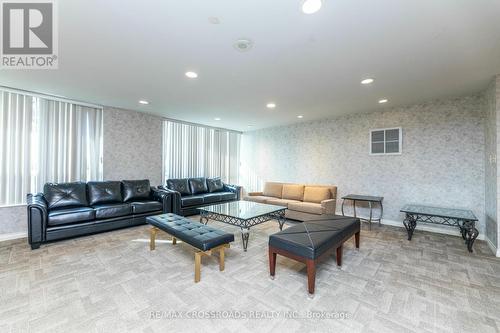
[197, 151]
[46, 140]
[386, 141]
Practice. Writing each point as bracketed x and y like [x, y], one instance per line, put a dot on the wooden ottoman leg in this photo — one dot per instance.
[174, 240]
[311, 275]
[356, 239]
[197, 266]
[339, 255]
[272, 262]
[221, 258]
[152, 238]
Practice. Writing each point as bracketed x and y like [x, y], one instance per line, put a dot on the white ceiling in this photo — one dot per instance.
[116, 52]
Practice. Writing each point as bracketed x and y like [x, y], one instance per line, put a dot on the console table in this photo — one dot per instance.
[366, 198]
[464, 219]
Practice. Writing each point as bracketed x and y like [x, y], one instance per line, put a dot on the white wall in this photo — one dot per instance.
[442, 162]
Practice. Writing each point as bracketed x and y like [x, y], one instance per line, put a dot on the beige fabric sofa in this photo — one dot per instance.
[298, 198]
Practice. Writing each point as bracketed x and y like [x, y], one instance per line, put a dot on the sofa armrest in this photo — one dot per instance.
[164, 197]
[37, 219]
[254, 194]
[233, 188]
[329, 206]
[175, 202]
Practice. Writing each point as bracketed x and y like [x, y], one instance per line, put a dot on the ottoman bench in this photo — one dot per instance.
[311, 241]
[203, 238]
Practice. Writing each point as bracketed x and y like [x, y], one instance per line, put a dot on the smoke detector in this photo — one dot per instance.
[243, 45]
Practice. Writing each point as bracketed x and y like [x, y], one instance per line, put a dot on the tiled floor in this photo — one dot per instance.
[111, 282]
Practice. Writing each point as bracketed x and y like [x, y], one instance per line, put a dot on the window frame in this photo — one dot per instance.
[400, 141]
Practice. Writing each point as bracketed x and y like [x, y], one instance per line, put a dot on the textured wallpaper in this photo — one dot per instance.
[497, 154]
[132, 146]
[490, 132]
[442, 161]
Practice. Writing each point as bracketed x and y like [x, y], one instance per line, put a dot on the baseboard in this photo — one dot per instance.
[492, 247]
[11, 236]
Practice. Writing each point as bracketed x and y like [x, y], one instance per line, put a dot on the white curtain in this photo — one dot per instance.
[45, 140]
[16, 120]
[197, 151]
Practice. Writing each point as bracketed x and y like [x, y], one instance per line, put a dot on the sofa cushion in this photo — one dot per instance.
[192, 200]
[70, 215]
[306, 207]
[211, 197]
[198, 185]
[135, 189]
[65, 195]
[316, 194]
[215, 185]
[273, 190]
[105, 211]
[104, 192]
[258, 198]
[280, 202]
[226, 196]
[179, 185]
[139, 207]
[293, 192]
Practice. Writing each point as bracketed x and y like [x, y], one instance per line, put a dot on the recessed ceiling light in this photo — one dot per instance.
[144, 102]
[383, 100]
[217, 119]
[311, 6]
[367, 81]
[271, 105]
[192, 75]
[243, 44]
[300, 116]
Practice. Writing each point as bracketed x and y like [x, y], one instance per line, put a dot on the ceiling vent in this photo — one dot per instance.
[243, 45]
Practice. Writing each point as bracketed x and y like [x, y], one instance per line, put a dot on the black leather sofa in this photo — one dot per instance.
[191, 193]
[72, 209]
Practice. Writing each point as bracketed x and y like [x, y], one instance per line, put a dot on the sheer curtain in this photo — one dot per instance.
[197, 151]
[44, 140]
[16, 120]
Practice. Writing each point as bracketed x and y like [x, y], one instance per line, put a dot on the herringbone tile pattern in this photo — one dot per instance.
[111, 282]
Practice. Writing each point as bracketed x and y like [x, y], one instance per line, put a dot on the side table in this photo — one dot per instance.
[366, 198]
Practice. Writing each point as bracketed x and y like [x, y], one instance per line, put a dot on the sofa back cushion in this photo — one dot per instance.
[293, 192]
[316, 194]
[179, 185]
[65, 195]
[104, 192]
[215, 185]
[273, 189]
[198, 185]
[135, 190]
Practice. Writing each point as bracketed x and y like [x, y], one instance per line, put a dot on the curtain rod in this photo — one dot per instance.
[200, 125]
[49, 96]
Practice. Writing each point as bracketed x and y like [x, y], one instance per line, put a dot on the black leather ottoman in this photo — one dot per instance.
[202, 237]
[310, 241]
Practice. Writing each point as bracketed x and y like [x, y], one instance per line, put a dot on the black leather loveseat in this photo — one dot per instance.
[191, 193]
[72, 209]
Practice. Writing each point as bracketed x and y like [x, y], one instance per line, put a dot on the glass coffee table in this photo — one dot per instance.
[464, 219]
[243, 214]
